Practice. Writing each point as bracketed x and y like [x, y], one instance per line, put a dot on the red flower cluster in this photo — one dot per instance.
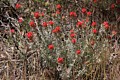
[112, 6]
[84, 10]
[94, 31]
[57, 29]
[78, 51]
[72, 35]
[94, 24]
[44, 24]
[60, 60]
[29, 35]
[32, 24]
[79, 23]
[73, 14]
[18, 6]
[73, 40]
[51, 23]
[89, 13]
[36, 15]
[58, 6]
[51, 46]
[106, 25]
[12, 30]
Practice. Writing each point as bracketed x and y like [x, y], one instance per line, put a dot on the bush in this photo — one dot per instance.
[60, 40]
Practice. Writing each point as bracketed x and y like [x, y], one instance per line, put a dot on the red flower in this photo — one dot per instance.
[83, 10]
[94, 24]
[112, 6]
[73, 40]
[20, 20]
[106, 25]
[29, 35]
[89, 13]
[72, 35]
[58, 6]
[32, 24]
[51, 22]
[51, 46]
[94, 31]
[17, 6]
[12, 30]
[73, 14]
[57, 29]
[78, 52]
[60, 60]
[36, 15]
[79, 23]
[44, 24]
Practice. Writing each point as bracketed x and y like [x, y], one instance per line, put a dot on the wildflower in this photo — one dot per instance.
[36, 15]
[89, 13]
[29, 35]
[18, 6]
[83, 10]
[94, 31]
[51, 46]
[44, 24]
[51, 22]
[73, 14]
[78, 51]
[79, 23]
[106, 25]
[94, 24]
[32, 23]
[58, 6]
[12, 30]
[57, 29]
[112, 6]
[72, 35]
[73, 40]
[60, 60]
